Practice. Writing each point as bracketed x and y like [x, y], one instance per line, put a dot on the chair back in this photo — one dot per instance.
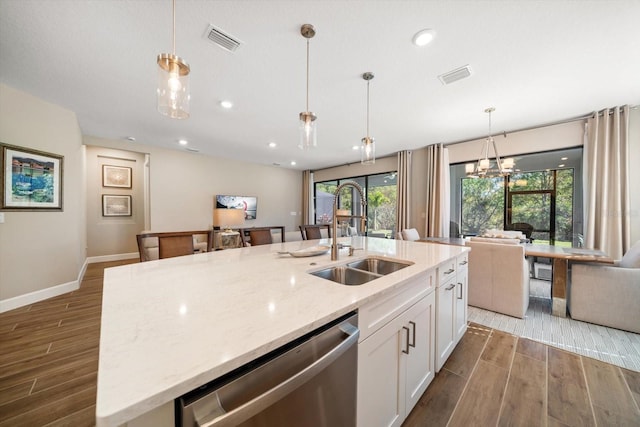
[260, 237]
[173, 246]
[498, 277]
[314, 231]
[410, 234]
[149, 243]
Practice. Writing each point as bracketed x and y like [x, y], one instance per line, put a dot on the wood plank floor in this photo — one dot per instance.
[493, 378]
[49, 361]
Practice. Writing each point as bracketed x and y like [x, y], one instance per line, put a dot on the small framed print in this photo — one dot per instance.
[113, 205]
[116, 176]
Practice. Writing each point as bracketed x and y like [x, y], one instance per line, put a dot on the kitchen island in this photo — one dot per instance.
[172, 325]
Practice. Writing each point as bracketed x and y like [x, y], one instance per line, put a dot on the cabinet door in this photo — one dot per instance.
[380, 397]
[420, 363]
[446, 303]
[461, 303]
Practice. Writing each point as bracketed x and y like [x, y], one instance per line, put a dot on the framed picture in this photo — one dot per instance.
[31, 180]
[116, 176]
[114, 205]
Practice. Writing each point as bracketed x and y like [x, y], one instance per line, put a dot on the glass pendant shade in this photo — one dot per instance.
[308, 131]
[368, 150]
[173, 86]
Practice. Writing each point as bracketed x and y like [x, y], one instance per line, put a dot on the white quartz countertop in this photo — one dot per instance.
[172, 325]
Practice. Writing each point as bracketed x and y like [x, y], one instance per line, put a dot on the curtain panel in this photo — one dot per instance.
[307, 198]
[438, 204]
[404, 191]
[606, 182]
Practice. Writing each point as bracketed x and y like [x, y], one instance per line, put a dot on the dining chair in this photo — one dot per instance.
[313, 231]
[410, 234]
[260, 237]
[173, 246]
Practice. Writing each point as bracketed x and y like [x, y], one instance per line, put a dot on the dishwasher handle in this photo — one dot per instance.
[259, 403]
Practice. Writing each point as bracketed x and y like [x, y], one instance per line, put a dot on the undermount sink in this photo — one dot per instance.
[361, 271]
[378, 265]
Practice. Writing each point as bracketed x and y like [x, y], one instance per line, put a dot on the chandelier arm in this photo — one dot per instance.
[498, 160]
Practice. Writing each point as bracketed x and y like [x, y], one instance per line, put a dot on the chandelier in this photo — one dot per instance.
[486, 168]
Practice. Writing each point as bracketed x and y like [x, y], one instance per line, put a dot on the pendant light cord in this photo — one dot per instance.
[174, 27]
[307, 75]
[368, 81]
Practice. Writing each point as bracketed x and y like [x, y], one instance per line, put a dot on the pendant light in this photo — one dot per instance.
[173, 81]
[368, 148]
[307, 118]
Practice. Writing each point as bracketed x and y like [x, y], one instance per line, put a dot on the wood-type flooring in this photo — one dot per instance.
[49, 362]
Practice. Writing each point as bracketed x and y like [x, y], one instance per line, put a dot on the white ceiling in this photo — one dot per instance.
[535, 61]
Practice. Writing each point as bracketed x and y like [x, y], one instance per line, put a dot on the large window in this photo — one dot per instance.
[544, 192]
[380, 191]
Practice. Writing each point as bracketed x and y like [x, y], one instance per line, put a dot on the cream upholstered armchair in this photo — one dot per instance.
[608, 295]
[498, 276]
[410, 234]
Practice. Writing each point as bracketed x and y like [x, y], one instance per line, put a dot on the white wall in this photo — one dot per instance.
[42, 253]
[184, 184]
[113, 235]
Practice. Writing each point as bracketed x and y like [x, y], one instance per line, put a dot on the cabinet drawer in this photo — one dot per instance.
[462, 261]
[447, 270]
[375, 314]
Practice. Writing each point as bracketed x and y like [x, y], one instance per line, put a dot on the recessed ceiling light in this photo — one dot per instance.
[424, 37]
[183, 142]
[131, 138]
[564, 158]
[293, 163]
[355, 147]
[561, 165]
[272, 145]
[226, 104]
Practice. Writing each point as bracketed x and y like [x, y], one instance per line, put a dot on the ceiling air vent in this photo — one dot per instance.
[455, 75]
[225, 41]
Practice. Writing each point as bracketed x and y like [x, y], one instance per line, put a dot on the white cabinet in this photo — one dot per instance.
[396, 363]
[451, 305]
[461, 296]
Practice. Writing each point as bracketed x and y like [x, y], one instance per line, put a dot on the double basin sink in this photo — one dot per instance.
[361, 271]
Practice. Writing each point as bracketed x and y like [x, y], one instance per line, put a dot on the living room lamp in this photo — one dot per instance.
[482, 169]
[368, 144]
[307, 118]
[173, 81]
[227, 219]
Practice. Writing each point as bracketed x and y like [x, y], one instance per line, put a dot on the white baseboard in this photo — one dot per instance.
[54, 291]
[32, 297]
[116, 257]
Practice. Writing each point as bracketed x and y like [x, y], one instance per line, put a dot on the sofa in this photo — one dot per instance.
[607, 295]
[498, 276]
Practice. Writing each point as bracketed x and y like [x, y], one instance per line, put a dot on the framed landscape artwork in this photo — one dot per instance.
[116, 176]
[31, 180]
[248, 204]
[114, 205]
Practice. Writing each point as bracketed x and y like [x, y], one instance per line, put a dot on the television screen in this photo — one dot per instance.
[248, 204]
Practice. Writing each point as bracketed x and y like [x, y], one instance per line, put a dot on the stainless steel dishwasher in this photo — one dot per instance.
[309, 382]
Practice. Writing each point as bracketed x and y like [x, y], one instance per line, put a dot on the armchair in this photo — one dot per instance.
[499, 277]
[608, 295]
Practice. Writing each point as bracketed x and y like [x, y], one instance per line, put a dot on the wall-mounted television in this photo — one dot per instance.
[247, 203]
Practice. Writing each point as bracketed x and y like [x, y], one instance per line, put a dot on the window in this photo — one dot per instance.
[381, 193]
[545, 192]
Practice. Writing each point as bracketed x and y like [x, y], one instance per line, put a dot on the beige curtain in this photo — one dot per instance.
[404, 191]
[438, 189]
[606, 182]
[307, 198]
